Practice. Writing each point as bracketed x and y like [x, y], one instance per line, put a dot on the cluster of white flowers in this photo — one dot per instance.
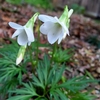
[54, 28]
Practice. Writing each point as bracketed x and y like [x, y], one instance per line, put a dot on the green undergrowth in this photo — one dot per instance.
[47, 82]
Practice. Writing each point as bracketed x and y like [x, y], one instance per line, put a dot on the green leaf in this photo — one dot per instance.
[81, 96]
[7, 86]
[57, 94]
[77, 83]
[62, 55]
[36, 81]
[42, 73]
[61, 94]
[8, 73]
[24, 93]
[46, 62]
[51, 74]
[58, 75]
[20, 97]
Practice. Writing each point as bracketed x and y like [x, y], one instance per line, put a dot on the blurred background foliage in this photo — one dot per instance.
[79, 6]
[39, 3]
[78, 9]
[46, 4]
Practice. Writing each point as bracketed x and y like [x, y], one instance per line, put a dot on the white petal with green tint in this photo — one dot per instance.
[45, 18]
[54, 35]
[17, 32]
[29, 33]
[45, 27]
[15, 25]
[70, 13]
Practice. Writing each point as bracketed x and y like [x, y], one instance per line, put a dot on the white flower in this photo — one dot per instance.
[54, 28]
[24, 33]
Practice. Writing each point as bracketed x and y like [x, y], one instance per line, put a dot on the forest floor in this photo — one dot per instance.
[84, 38]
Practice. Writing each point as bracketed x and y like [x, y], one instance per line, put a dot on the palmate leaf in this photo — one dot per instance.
[10, 78]
[7, 86]
[9, 50]
[57, 94]
[20, 97]
[51, 74]
[76, 84]
[46, 75]
[36, 81]
[8, 54]
[8, 68]
[46, 62]
[9, 72]
[46, 84]
[25, 93]
[45, 79]
[57, 74]
[62, 55]
[29, 89]
[42, 73]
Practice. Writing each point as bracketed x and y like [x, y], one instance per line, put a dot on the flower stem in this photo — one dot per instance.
[37, 52]
[54, 50]
[38, 41]
[31, 58]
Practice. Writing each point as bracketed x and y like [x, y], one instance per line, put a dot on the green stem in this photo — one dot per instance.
[31, 58]
[54, 50]
[37, 52]
[38, 41]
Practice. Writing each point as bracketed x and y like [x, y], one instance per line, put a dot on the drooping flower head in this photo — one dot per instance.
[24, 33]
[54, 28]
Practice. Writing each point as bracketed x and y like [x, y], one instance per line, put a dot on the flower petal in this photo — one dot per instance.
[29, 33]
[45, 18]
[70, 12]
[15, 25]
[55, 34]
[29, 43]
[62, 36]
[66, 31]
[59, 40]
[46, 27]
[22, 39]
[65, 28]
[17, 32]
